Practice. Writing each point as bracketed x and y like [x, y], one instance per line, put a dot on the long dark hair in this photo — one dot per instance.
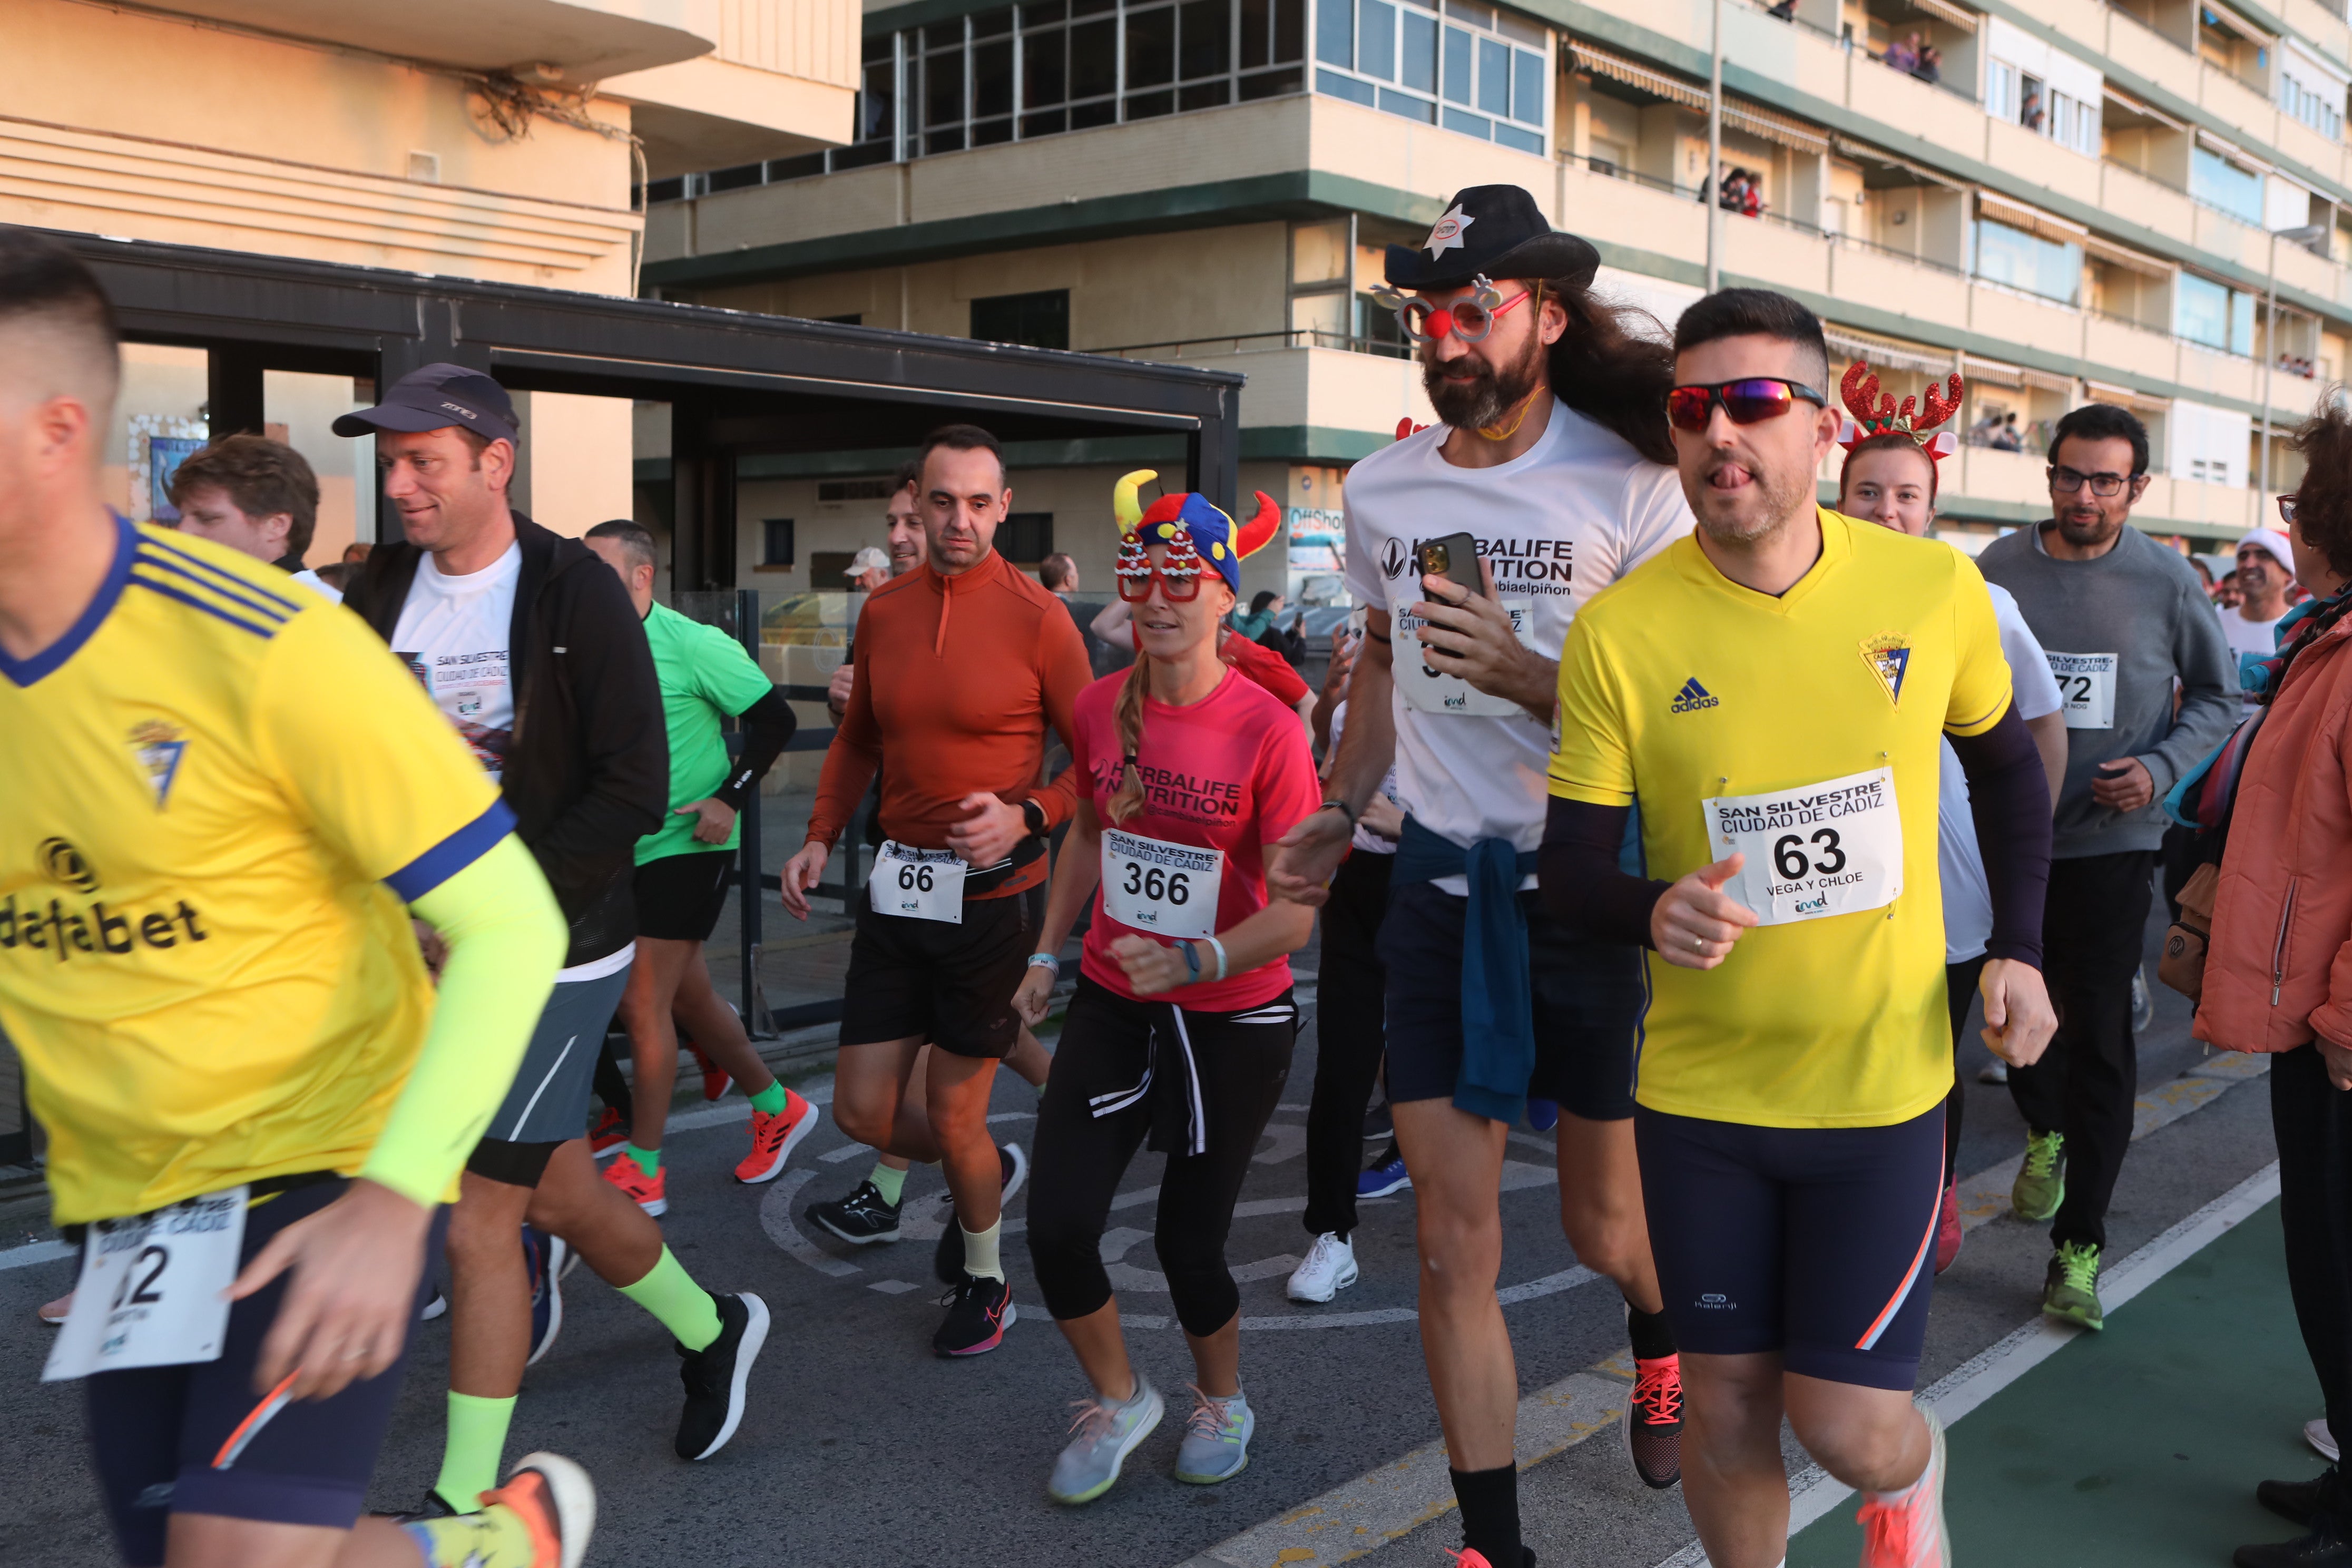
[1613, 365]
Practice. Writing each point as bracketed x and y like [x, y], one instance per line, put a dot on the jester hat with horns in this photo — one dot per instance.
[1194, 530]
[1915, 419]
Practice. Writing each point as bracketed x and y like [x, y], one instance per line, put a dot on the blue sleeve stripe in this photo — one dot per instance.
[453, 854]
[206, 605]
[229, 578]
[253, 601]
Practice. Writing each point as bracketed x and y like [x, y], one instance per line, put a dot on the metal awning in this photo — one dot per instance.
[1886, 355]
[1863, 151]
[2125, 256]
[1945, 11]
[1738, 114]
[2031, 219]
[2126, 101]
[2125, 397]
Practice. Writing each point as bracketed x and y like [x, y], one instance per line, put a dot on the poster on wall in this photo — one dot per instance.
[157, 445]
[1317, 539]
[164, 456]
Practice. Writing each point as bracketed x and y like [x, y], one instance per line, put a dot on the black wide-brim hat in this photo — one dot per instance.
[1496, 230]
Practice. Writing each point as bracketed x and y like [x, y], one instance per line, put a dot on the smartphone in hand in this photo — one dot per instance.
[1454, 558]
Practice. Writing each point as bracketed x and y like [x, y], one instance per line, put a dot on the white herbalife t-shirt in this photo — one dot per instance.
[453, 632]
[1558, 523]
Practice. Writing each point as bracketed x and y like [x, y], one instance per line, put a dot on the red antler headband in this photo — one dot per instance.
[1915, 419]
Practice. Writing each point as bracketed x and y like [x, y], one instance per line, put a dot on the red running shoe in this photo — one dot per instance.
[1906, 1529]
[609, 1133]
[715, 1081]
[774, 1139]
[1653, 1422]
[648, 1193]
[1948, 1233]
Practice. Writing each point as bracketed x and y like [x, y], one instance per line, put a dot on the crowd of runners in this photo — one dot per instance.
[1651, 802]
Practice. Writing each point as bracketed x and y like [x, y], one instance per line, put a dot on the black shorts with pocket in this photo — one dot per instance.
[950, 984]
[1589, 1000]
[679, 897]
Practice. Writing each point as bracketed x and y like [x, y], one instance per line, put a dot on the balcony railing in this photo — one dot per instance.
[1259, 342]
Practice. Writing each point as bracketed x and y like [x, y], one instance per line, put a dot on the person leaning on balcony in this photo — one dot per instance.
[2278, 972]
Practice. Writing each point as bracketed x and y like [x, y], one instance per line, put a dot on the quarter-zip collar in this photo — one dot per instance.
[962, 585]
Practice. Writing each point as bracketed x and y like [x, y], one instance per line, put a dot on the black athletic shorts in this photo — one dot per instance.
[949, 985]
[199, 1439]
[680, 897]
[1816, 1242]
[1589, 1000]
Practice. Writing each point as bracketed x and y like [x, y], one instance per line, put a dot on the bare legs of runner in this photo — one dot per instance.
[878, 1100]
[1029, 1061]
[670, 981]
[1600, 1206]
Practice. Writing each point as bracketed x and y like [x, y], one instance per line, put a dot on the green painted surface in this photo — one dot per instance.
[2138, 1446]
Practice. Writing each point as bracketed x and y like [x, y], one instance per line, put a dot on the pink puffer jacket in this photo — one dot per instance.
[2280, 965]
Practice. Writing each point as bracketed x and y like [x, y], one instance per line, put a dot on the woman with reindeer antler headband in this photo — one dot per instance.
[1889, 478]
[1182, 1024]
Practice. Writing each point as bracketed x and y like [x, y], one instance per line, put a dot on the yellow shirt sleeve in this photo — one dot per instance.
[1980, 686]
[351, 738]
[1592, 760]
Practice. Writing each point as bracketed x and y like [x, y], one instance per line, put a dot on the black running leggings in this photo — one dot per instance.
[1239, 1061]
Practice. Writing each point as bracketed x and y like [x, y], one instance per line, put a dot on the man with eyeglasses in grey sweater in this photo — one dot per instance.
[2121, 620]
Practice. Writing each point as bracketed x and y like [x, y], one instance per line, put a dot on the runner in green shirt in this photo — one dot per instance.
[683, 873]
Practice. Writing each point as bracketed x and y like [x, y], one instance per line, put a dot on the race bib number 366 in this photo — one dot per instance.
[1829, 849]
[153, 1289]
[2086, 688]
[1169, 890]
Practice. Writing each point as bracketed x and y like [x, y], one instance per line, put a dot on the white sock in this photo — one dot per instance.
[979, 1252]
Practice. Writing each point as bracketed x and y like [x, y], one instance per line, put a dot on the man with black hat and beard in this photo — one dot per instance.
[1554, 454]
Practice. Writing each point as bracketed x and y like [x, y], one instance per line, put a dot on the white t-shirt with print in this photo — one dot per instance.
[1967, 897]
[2257, 637]
[1562, 521]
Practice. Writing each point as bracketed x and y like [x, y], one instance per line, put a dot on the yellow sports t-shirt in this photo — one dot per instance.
[220, 790]
[1796, 718]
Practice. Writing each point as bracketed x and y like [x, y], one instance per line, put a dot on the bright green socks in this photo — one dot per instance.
[771, 1100]
[681, 1306]
[469, 1462]
[648, 1159]
[979, 1252]
[890, 1181]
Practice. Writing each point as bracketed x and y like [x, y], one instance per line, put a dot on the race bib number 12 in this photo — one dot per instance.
[153, 1289]
[919, 884]
[1829, 849]
[2086, 686]
[1168, 889]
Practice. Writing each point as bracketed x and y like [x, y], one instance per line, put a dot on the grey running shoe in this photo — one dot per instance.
[1216, 1440]
[1101, 1441]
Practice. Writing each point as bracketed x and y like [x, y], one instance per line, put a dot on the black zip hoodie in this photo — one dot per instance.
[587, 771]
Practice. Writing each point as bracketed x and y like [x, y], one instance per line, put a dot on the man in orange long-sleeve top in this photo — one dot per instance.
[961, 666]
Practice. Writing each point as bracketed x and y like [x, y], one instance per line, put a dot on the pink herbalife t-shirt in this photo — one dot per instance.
[1230, 772]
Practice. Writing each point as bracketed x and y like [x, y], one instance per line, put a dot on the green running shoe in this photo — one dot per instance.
[2072, 1293]
[2039, 1186]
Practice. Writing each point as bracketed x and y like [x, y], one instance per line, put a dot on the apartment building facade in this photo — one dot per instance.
[2146, 202]
[504, 141]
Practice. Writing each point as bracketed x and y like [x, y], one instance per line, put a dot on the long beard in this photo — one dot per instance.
[1488, 397]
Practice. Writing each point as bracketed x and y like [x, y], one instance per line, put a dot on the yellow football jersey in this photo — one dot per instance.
[1805, 731]
[220, 791]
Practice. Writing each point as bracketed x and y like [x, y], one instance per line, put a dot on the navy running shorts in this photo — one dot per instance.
[201, 1439]
[1589, 1000]
[1815, 1242]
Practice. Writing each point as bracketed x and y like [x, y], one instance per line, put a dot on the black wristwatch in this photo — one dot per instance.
[1343, 808]
[1034, 816]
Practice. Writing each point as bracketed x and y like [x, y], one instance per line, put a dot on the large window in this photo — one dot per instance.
[2017, 95]
[1039, 320]
[2213, 314]
[2045, 266]
[2318, 102]
[1470, 68]
[2218, 183]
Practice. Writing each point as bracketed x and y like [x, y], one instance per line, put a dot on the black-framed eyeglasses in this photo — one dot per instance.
[2066, 481]
[1747, 401]
[2286, 505]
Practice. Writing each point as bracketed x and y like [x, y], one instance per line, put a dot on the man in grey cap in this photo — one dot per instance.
[1553, 450]
[868, 570]
[499, 617]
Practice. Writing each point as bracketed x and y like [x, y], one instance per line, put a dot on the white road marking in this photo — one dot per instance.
[776, 1219]
[893, 1287]
[34, 1252]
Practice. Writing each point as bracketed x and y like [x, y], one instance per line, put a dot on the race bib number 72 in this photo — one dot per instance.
[1829, 849]
[2086, 688]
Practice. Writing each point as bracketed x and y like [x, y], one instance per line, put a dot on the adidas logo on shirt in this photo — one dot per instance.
[1692, 698]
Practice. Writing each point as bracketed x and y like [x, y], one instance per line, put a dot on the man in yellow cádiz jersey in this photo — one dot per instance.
[1772, 692]
[221, 798]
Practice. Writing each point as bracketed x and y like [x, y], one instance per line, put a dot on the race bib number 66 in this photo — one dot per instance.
[1829, 849]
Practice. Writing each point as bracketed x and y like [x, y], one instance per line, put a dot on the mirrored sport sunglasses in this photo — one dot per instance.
[1748, 401]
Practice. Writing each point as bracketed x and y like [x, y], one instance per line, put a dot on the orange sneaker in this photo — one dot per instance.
[715, 1079]
[609, 1133]
[556, 1502]
[646, 1192]
[1906, 1529]
[1653, 1422]
[774, 1139]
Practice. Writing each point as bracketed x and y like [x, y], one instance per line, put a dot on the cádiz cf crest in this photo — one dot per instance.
[1888, 654]
[159, 747]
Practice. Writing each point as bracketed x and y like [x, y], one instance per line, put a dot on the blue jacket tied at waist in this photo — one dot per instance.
[1499, 1034]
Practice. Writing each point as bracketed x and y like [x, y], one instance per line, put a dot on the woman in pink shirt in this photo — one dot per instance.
[1182, 1024]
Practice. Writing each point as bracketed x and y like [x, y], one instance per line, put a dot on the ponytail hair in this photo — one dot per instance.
[1126, 716]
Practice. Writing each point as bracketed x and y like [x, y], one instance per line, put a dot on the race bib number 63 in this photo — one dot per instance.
[1829, 849]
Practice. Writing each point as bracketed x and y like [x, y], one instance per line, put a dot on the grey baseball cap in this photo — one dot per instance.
[435, 397]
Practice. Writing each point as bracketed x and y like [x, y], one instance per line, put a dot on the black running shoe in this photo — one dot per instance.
[2329, 1546]
[715, 1377]
[862, 1218]
[2297, 1502]
[947, 1260]
[979, 1311]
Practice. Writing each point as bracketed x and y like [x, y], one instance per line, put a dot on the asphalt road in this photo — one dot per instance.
[862, 1447]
